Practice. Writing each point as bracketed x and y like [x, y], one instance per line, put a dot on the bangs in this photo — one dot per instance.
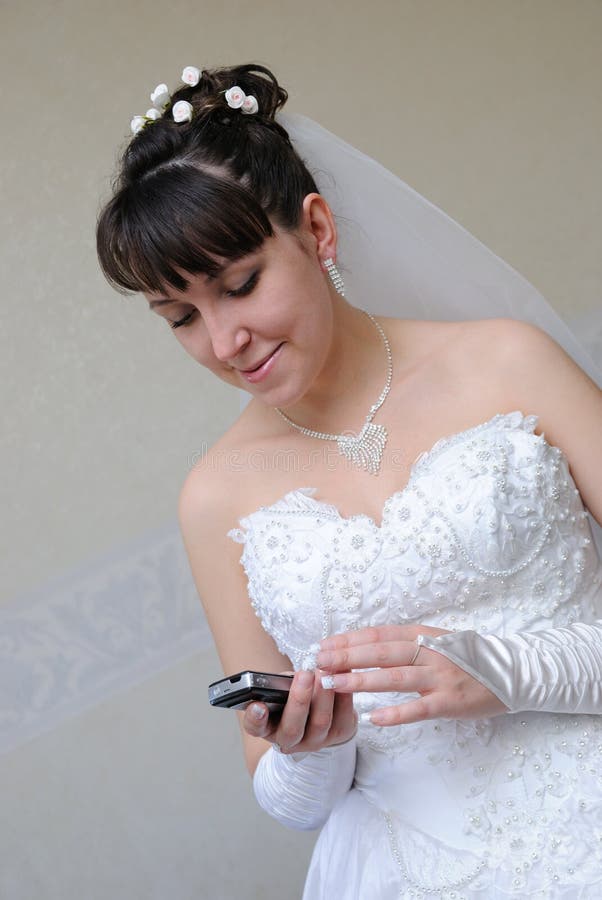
[177, 219]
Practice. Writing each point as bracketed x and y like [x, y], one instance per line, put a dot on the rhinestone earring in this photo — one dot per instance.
[335, 276]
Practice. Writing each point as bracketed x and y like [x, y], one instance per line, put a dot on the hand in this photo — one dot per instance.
[312, 718]
[446, 691]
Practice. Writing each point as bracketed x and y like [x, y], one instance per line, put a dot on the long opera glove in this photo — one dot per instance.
[555, 670]
[301, 789]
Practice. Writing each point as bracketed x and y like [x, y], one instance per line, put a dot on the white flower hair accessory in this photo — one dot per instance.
[237, 99]
[137, 124]
[249, 105]
[160, 97]
[182, 111]
[191, 75]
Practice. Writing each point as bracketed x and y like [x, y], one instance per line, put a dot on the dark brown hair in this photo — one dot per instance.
[190, 192]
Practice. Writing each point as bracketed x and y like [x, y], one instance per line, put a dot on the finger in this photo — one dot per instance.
[256, 720]
[365, 656]
[427, 707]
[320, 715]
[291, 726]
[371, 635]
[344, 719]
[377, 634]
[407, 679]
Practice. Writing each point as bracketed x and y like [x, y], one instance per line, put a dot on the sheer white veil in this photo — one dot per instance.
[400, 255]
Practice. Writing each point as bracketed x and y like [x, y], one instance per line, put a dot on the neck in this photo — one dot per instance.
[351, 379]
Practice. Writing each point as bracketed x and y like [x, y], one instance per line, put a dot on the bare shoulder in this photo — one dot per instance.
[220, 488]
[478, 368]
[536, 374]
[540, 378]
[497, 339]
[206, 513]
[461, 351]
[503, 348]
[209, 502]
[419, 339]
[208, 509]
[530, 361]
[504, 338]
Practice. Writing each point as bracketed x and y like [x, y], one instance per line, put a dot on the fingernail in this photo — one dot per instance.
[327, 644]
[366, 718]
[257, 711]
[328, 682]
[324, 659]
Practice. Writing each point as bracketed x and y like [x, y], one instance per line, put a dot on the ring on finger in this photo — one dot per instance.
[418, 643]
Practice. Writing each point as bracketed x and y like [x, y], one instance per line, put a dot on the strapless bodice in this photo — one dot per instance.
[490, 533]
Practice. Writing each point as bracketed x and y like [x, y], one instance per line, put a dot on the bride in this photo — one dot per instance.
[417, 499]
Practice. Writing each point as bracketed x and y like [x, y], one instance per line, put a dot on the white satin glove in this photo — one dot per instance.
[555, 670]
[300, 789]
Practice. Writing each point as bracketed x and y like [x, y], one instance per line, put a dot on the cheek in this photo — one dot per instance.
[202, 353]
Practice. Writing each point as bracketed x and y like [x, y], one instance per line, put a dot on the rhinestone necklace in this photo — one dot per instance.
[366, 448]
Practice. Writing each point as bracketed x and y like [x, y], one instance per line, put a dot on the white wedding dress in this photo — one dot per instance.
[490, 534]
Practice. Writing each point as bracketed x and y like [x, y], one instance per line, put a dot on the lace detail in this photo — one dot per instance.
[489, 534]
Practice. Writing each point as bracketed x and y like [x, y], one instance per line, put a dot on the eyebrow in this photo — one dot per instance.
[208, 278]
[154, 303]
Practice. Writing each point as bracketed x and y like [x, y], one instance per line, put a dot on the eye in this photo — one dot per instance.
[246, 288]
[183, 321]
[239, 292]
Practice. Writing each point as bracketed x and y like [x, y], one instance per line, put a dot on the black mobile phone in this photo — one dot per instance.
[237, 691]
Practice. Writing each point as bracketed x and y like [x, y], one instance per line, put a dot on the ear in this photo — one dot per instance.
[319, 227]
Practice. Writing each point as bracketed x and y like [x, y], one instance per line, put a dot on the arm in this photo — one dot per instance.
[464, 675]
[298, 789]
[555, 670]
[205, 515]
[301, 790]
[467, 675]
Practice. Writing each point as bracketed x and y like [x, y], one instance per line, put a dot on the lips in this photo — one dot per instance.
[259, 364]
[263, 371]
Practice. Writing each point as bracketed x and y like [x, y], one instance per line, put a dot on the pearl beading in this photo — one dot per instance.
[375, 545]
[422, 889]
[313, 572]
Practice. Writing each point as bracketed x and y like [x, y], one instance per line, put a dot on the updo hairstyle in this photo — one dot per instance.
[187, 193]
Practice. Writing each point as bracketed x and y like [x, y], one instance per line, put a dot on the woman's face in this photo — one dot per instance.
[274, 299]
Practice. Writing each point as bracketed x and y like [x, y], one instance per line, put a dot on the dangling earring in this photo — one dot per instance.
[335, 276]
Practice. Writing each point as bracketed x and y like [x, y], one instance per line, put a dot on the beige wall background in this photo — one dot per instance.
[493, 110]
[490, 108]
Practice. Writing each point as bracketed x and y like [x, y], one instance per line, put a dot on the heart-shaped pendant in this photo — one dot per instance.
[366, 448]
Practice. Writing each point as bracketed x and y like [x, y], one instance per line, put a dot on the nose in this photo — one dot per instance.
[228, 337]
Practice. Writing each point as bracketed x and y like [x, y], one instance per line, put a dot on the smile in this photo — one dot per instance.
[264, 368]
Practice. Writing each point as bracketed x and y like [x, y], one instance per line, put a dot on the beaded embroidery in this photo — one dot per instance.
[489, 534]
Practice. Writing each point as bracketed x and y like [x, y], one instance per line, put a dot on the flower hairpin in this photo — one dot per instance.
[237, 99]
[160, 99]
[182, 110]
[191, 75]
